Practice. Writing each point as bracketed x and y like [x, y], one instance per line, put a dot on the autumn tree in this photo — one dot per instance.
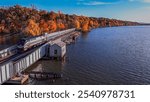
[96, 24]
[77, 24]
[52, 15]
[85, 27]
[43, 26]
[60, 26]
[32, 28]
[52, 26]
[1, 28]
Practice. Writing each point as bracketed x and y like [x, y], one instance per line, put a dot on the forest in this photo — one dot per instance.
[32, 22]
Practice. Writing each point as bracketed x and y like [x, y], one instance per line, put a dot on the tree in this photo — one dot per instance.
[91, 23]
[52, 26]
[85, 27]
[77, 24]
[32, 28]
[2, 27]
[60, 26]
[43, 26]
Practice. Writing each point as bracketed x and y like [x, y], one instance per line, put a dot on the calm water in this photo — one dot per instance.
[4, 46]
[117, 55]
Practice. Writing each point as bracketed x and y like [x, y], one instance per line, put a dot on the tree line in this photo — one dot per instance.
[33, 22]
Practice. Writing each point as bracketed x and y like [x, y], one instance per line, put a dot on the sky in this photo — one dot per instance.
[131, 10]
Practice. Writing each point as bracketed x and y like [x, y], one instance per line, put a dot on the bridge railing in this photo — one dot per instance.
[59, 33]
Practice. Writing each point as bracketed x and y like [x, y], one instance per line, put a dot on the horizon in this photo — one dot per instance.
[127, 10]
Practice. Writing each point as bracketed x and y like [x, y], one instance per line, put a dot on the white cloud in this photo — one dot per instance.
[96, 3]
[93, 3]
[144, 1]
[148, 1]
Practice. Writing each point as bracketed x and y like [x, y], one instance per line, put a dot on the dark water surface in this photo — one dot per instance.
[4, 46]
[117, 55]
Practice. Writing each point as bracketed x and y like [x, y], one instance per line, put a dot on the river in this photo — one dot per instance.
[104, 56]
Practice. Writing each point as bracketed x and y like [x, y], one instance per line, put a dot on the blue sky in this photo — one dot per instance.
[133, 10]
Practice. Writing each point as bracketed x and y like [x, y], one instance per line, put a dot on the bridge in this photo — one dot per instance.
[12, 62]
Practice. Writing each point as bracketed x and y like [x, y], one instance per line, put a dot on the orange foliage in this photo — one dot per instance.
[32, 28]
[60, 26]
[43, 26]
[77, 24]
[91, 23]
[96, 24]
[49, 26]
[52, 26]
[2, 28]
[34, 22]
[85, 27]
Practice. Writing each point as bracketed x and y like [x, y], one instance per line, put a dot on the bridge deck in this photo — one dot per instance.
[19, 62]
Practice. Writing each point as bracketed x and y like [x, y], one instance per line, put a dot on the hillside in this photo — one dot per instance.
[32, 22]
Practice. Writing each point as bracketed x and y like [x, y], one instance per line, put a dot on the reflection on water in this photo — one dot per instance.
[5, 43]
[84, 36]
[117, 55]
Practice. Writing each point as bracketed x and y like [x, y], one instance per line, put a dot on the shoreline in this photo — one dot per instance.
[5, 38]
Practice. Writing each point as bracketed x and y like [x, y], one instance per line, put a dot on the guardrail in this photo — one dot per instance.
[59, 33]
